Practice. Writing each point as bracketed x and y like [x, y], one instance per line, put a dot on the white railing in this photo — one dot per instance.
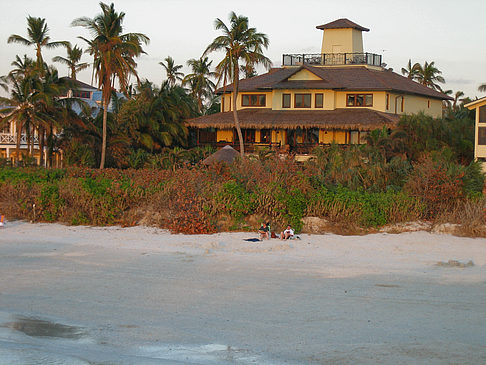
[7, 138]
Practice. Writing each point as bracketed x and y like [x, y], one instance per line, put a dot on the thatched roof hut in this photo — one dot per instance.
[226, 154]
[358, 119]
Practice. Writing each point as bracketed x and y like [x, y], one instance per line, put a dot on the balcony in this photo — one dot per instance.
[7, 138]
[331, 59]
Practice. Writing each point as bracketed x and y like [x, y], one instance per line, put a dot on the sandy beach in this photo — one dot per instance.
[86, 295]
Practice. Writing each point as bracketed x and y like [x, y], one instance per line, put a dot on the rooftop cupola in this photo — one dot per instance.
[342, 36]
[342, 44]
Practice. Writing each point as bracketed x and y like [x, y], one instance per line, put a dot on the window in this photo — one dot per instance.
[285, 100]
[387, 101]
[359, 100]
[306, 136]
[207, 135]
[319, 102]
[403, 103]
[253, 100]
[266, 136]
[428, 103]
[82, 94]
[482, 114]
[482, 136]
[248, 135]
[5, 128]
[302, 101]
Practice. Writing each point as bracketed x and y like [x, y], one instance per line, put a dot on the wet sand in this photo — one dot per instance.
[82, 295]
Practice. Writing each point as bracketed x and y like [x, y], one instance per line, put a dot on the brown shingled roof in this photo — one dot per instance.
[358, 119]
[356, 78]
[342, 23]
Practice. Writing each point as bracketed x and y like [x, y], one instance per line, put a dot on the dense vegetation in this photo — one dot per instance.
[399, 176]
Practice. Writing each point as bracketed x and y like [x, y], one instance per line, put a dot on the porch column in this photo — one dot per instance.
[8, 152]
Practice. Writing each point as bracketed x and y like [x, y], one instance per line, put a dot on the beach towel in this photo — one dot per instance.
[252, 240]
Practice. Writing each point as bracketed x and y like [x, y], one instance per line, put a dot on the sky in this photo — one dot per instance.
[449, 32]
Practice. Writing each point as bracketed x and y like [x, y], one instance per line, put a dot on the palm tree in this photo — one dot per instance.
[172, 70]
[429, 75]
[72, 60]
[240, 43]
[482, 88]
[154, 118]
[411, 70]
[38, 36]
[114, 53]
[200, 80]
[457, 97]
[23, 67]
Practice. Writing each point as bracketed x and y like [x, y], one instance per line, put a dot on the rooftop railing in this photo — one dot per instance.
[331, 59]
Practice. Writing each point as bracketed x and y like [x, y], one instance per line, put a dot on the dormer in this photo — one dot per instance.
[342, 36]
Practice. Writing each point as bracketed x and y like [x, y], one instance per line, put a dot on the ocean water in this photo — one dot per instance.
[40, 341]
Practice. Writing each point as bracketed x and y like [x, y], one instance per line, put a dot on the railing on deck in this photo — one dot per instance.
[7, 138]
[331, 59]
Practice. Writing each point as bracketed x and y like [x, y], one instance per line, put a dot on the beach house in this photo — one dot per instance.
[8, 132]
[479, 106]
[338, 95]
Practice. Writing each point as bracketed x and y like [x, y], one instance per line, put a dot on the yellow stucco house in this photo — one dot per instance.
[337, 96]
[480, 129]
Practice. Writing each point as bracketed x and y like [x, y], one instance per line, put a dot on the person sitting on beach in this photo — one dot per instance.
[2, 217]
[264, 231]
[287, 234]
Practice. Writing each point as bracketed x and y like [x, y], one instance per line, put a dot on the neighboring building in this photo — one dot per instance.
[8, 133]
[479, 130]
[337, 96]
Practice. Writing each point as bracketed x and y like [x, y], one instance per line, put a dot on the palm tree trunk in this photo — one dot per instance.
[27, 138]
[32, 137]
[235, 113]
[103, 146]
[41, 133]
[17, 147]
[49, 147]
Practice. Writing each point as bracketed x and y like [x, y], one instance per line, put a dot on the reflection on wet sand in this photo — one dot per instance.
[39, 328]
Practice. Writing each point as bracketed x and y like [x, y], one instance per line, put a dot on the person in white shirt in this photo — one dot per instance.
[288, 233]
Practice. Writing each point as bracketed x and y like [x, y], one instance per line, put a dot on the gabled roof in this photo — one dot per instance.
[357, 119]
[80, 85]
[474, 103]
[356, 78]
[342, 23]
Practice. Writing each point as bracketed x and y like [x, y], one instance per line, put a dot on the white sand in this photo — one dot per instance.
[142, 293]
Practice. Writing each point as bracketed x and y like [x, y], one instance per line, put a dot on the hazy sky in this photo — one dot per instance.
[449, 32]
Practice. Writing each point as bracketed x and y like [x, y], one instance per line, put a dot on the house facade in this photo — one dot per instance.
[338, 96]
[479, 106]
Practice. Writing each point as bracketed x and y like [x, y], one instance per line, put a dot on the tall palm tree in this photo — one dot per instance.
[72, 60]
[199, 80]
[172, 70]
[429, 75]
[114, 53]
[38, 36]
[482, 88]
[240, 43]
[411, 70]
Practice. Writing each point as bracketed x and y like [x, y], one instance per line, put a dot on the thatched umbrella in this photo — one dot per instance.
[226, 154]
